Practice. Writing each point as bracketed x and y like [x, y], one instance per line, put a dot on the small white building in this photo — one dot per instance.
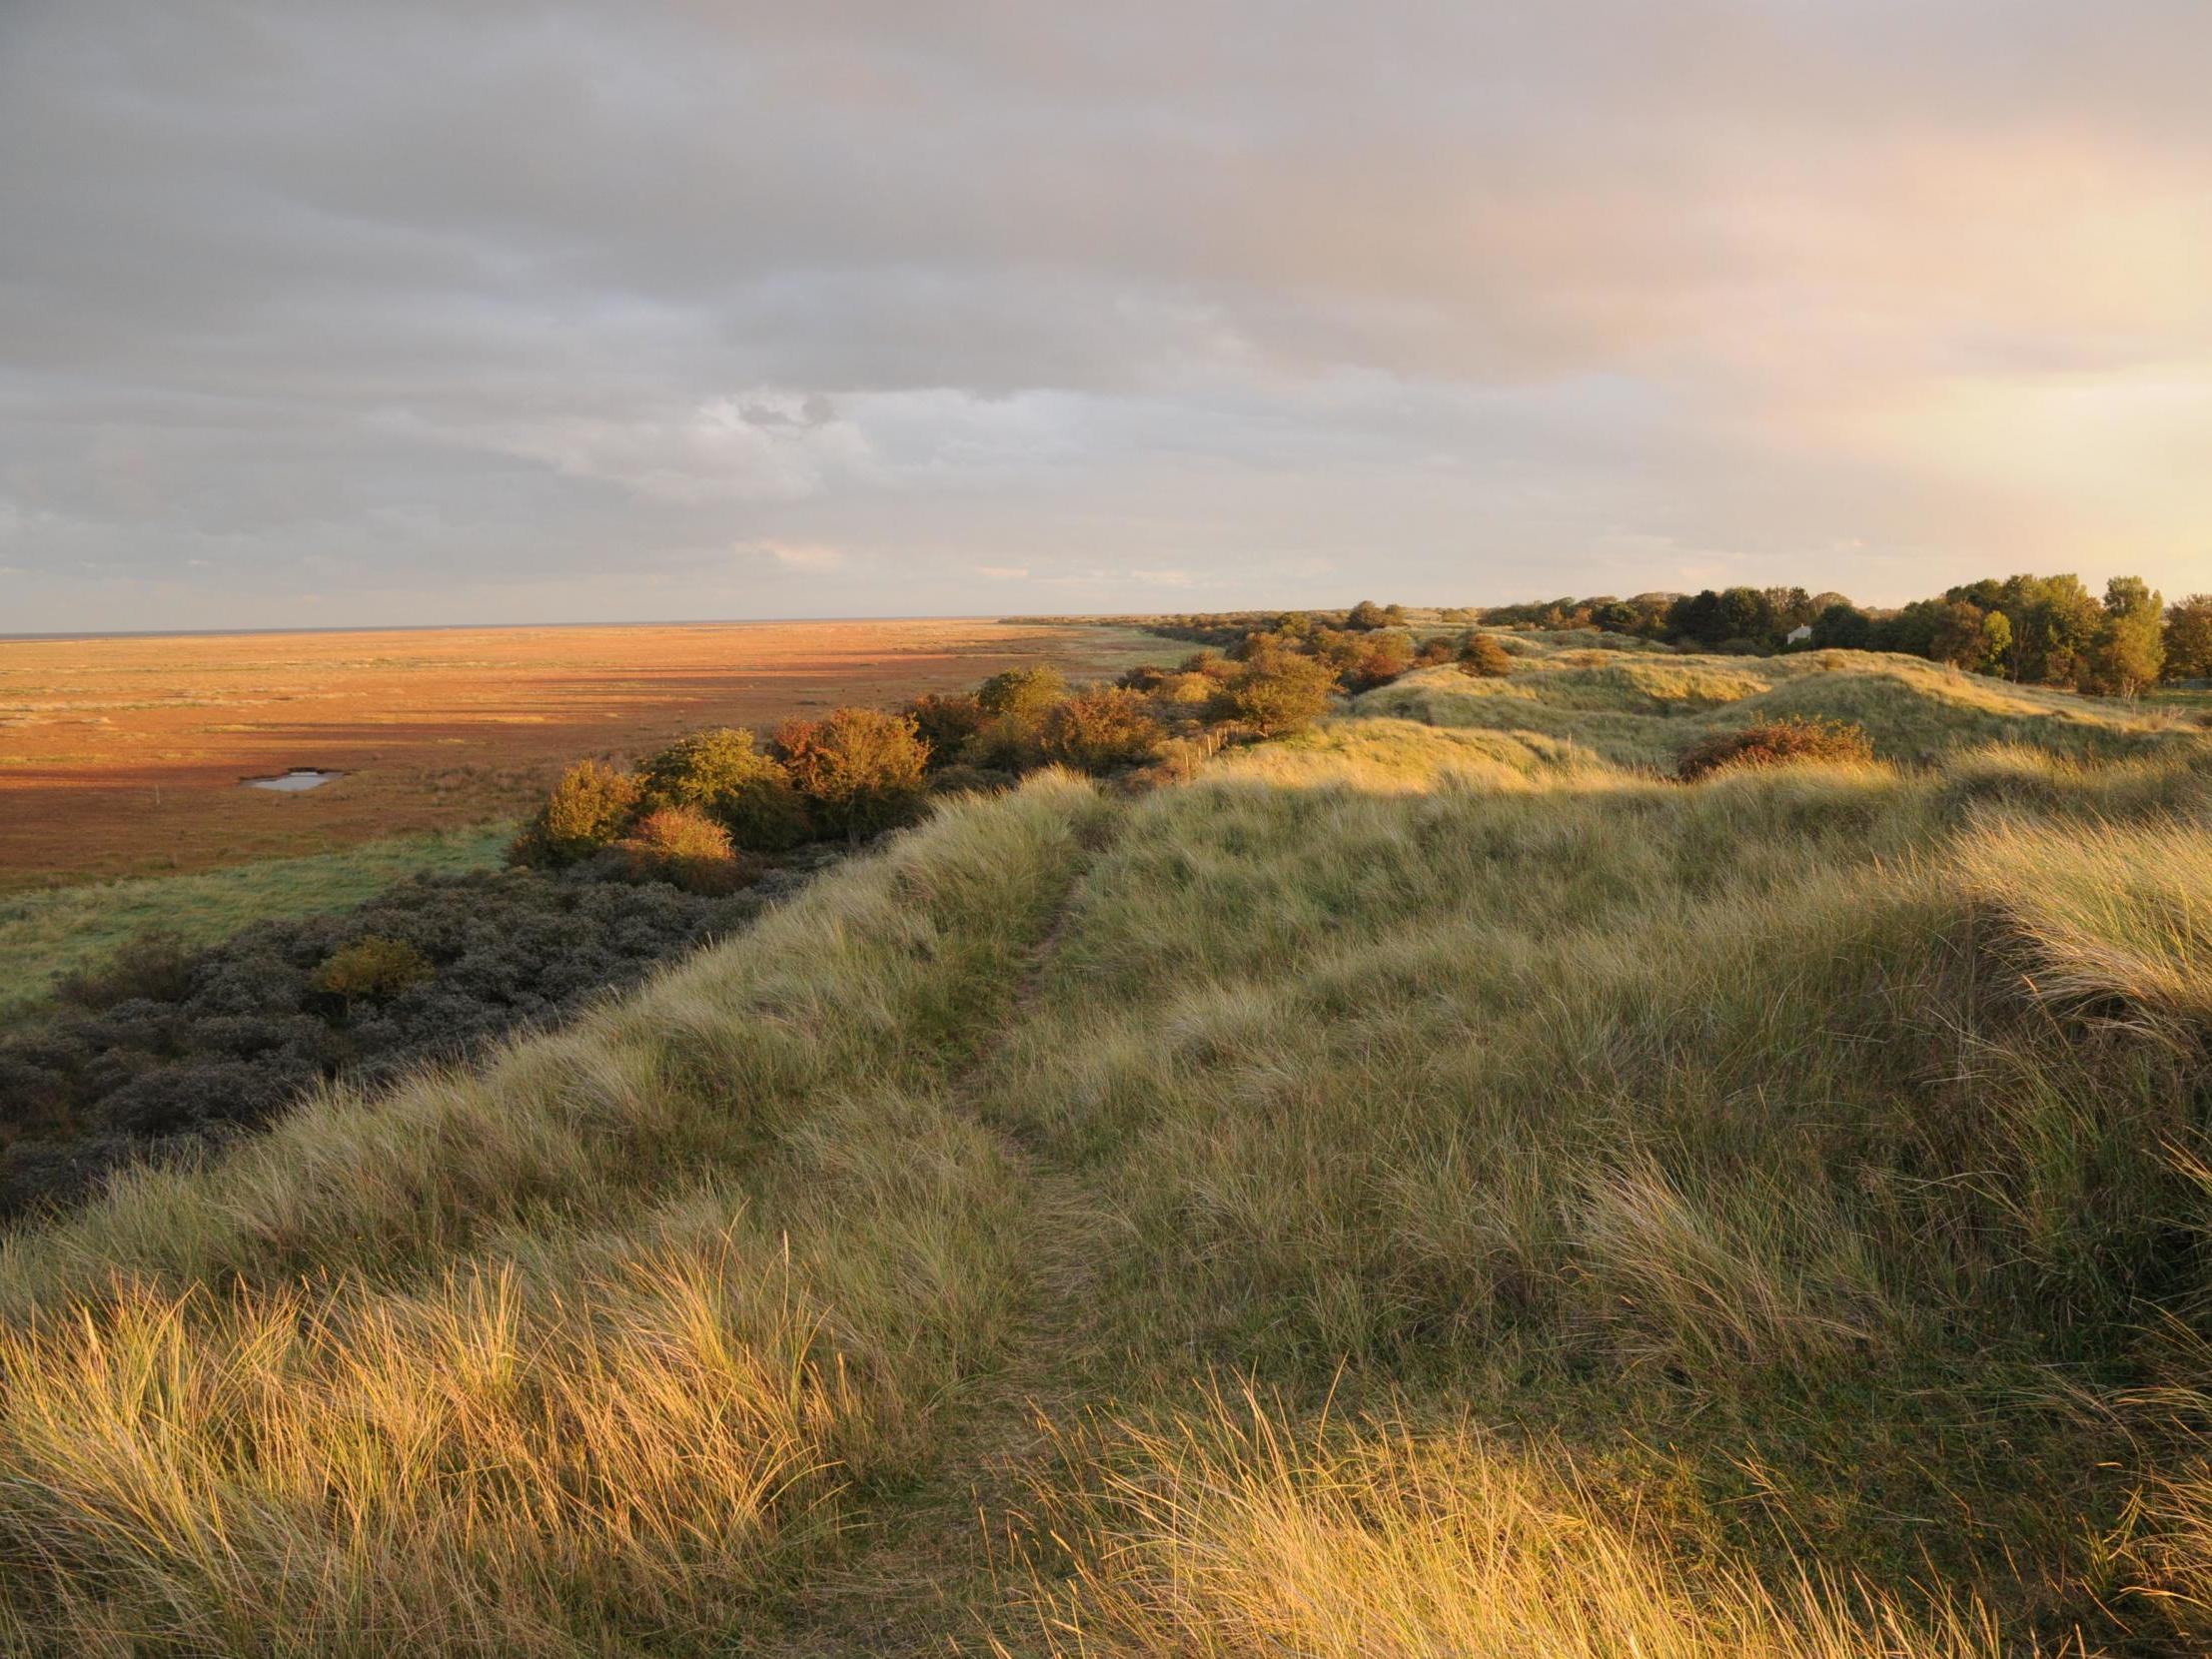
[1798, 635]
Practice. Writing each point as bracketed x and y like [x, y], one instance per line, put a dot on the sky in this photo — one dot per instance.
[345, 313]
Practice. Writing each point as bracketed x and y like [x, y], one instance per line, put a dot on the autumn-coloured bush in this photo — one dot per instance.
[1382, 657]
[588, 808]
[1484, 658]
[681, 844]
[722, 772]
[1275, 693]
[1101, 728]
[860, 769]
[946, 721]
[373, 969]
[1779, 742]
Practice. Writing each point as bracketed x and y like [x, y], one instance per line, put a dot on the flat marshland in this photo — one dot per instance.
[122, 756]
[1432, 1185]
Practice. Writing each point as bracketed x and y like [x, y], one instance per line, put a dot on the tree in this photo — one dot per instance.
[1697, 617]
[2130, 647]
[1843, 626]
[1957, 636]
[1912, 631]
[1996, 643]
[860, 769]
[1746, 613]
[1276, 692]
[1617, 618]
[1788, 608]
[1364, 615]
[2189, 639]
[2055, 625]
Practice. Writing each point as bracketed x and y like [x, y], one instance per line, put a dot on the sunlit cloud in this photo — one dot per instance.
[1448, 304]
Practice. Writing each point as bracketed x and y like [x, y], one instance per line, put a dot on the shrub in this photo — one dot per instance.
[1022, 693]
[282, 1005]
[946, 721]
[860, 769]
[1277, 691]
[373, 969]
[1482, 657]
[1100, 729]
[1776, 744]
[682, 845]
[588, 809]
[723, 774]
[1382, 657]
[1188, 691]
[154, 967]
[1003, 744]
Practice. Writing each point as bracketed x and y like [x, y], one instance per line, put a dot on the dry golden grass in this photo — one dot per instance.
[2106, 912]
[480, 1467]
[1236, 1534]
[1658, 1219]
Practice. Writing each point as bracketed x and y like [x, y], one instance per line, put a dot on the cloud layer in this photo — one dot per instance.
[416, 312]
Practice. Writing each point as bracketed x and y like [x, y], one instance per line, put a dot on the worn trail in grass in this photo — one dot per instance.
[1411, 1190]
[926, 1566]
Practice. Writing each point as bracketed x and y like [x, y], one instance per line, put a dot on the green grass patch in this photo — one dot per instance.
[46, 936]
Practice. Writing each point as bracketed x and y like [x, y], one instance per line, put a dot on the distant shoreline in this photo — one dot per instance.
[65, 634]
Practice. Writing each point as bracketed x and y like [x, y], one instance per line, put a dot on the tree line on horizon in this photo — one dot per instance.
[2041, 630]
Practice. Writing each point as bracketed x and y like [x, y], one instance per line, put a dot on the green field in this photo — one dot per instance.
[45, 935]
[1428, 1185]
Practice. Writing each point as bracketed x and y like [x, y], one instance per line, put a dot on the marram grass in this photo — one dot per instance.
[1759, 1217]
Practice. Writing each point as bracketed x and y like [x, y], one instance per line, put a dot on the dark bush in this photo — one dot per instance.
[428, 970]
[1776, 744]
[860, 769]
[193, 1095]
[1100, 730]
[156, 967]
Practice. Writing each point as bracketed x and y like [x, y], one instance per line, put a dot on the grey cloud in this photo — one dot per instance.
[429, 308]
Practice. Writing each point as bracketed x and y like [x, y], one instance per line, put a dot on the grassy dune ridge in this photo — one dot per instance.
[1421, 1188]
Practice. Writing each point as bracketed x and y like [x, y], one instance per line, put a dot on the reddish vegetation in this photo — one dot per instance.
[124, 756]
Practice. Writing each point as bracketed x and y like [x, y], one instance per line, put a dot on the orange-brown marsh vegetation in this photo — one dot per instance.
[123, 756]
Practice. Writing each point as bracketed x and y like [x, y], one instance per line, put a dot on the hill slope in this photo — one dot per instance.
[1416, 1190]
